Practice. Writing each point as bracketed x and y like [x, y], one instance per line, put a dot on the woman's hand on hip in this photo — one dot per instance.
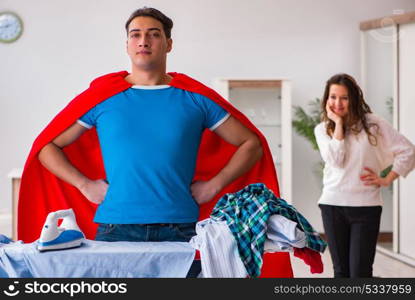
[371, 178]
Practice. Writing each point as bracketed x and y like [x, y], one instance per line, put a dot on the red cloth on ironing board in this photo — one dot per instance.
[42, 192]
[311, 258]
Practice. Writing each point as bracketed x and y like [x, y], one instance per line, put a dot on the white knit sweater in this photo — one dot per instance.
[345, 162]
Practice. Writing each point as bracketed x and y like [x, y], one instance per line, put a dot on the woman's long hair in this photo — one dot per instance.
[355, 120]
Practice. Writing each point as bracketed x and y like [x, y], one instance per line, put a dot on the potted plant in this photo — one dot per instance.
[304, 123]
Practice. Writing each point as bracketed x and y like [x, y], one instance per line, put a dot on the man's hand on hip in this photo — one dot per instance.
[94, 190]
[204, 191]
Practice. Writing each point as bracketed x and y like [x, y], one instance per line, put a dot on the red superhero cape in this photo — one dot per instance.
[42, 192]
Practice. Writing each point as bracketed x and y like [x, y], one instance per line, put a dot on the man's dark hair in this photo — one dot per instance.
[153, 13]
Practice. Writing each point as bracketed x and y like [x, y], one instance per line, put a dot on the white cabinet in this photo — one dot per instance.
[267, 103]
[379, 46]
[388, 72]
[406, 125]
[15, 176]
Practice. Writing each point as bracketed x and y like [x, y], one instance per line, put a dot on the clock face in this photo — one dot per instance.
[11, 27]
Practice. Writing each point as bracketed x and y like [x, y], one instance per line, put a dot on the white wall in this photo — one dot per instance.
[67, 43]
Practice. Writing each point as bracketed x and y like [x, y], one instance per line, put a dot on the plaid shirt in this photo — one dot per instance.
[246, 213]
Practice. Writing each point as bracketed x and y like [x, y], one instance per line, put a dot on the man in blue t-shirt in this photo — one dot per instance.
[149, 136]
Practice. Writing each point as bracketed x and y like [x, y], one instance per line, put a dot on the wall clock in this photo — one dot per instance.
[11, 27]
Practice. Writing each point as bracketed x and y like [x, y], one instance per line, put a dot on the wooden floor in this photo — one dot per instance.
[384, 266]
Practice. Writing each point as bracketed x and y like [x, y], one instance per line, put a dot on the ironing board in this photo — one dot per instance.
[98, 259]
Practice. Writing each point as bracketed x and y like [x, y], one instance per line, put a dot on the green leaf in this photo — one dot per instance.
[304, 123]
[386, 171]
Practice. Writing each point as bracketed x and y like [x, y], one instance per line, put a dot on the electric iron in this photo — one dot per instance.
[67, 235]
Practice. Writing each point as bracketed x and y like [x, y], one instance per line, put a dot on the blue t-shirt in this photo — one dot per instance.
[149, 139]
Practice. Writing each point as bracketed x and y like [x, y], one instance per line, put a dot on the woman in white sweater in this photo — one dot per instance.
[356, 145]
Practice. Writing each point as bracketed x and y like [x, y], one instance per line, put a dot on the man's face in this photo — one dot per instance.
[147, 44]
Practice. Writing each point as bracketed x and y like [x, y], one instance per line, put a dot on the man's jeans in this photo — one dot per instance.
[180, 232]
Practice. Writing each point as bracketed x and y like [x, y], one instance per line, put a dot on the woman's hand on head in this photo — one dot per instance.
[331, 115]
